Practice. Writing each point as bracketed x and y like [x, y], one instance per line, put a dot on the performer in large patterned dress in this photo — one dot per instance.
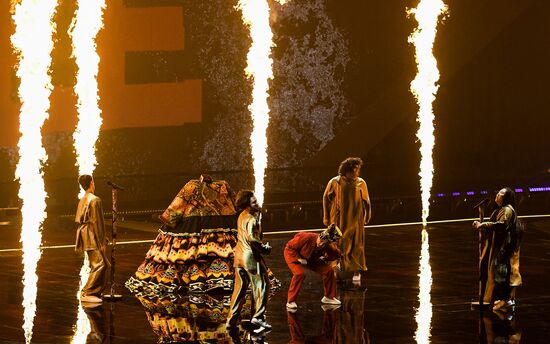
[193, 251]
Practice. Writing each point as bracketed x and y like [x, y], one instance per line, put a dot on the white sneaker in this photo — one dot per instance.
[260, 322]
[333, 301]
[91, 299]
[291, 305]
[356, 278]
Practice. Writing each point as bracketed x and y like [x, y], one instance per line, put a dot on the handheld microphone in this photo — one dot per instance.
[115, 186]
[482, 203]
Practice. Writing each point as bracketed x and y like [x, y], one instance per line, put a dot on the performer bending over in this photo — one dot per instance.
[249, 264]
[346, 203]
[499, 263]
[90, 237]
[316, 252]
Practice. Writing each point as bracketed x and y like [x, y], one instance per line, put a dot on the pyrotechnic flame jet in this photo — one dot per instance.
[424, 88]
[255, 14]
[86, 24]
[33, 43]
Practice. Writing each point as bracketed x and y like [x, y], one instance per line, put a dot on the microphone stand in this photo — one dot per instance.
[113, 296]
[482, 251]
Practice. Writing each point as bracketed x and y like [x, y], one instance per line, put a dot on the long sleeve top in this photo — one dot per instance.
[90, 233]
[249, 244]
[346, 203]
[304, 246]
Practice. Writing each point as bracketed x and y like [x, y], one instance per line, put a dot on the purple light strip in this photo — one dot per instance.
[485, 192]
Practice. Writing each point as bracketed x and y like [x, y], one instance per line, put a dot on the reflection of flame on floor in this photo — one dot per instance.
[190, 317]
[82, 327]
[424, 311]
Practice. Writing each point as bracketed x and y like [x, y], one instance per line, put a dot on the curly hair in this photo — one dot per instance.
[348, 165]
[243, 199]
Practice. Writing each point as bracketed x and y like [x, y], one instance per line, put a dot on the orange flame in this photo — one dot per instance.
[255, 15]
[424, 88]
[33, 43]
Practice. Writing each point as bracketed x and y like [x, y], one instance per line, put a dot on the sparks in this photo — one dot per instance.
[259, 68]
[424, 88]
[33, 43]
[424, 311]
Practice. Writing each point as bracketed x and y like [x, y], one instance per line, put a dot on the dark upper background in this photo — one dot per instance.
[491, 109]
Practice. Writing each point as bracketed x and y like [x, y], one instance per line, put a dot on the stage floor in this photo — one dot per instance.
[385, 309]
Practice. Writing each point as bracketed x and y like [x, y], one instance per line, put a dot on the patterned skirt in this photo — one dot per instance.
[182, 262]
[189, 263]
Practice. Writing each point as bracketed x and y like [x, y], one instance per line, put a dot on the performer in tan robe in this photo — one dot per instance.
[91, 238]
[499, 261]
[249, 265]
[346, 204]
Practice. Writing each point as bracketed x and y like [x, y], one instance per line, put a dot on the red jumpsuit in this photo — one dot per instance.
[304, 246]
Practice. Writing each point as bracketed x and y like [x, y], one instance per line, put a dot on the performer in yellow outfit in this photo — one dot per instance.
[91, 238]
[346, 204]
[249, 265]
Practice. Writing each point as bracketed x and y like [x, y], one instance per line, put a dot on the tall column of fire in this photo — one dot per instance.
[255, 15]
[33, 44]
[424, 88]
[87, 22]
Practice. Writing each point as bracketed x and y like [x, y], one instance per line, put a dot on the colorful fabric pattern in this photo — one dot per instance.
[189, 319]
[193, 252]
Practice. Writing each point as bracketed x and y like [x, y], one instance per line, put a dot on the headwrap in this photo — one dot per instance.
[331, 234]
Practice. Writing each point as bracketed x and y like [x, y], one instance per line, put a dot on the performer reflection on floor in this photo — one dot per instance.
[327, 335]
[197, 318]
[95, 312]
[499, 327]
[352, 318]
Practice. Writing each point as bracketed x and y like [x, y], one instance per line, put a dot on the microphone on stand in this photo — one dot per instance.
[482, 203]
[112, 295]
[115, 186]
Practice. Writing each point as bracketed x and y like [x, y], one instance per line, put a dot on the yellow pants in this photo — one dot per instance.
[97, 278]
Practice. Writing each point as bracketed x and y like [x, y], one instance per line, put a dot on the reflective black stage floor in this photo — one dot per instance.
[385, 309]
